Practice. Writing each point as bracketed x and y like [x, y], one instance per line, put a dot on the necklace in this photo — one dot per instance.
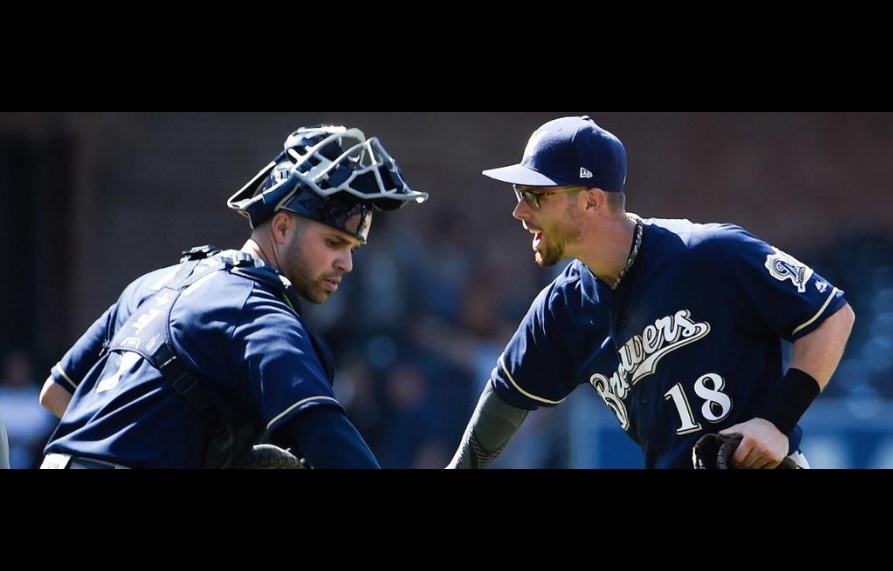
[637, 243]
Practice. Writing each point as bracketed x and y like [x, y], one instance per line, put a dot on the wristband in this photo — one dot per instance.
[793, 396]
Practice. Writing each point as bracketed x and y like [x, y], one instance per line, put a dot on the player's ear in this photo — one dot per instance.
[595, 197]
[280, 224]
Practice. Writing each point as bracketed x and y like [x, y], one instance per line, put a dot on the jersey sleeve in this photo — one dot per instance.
[271, 358]
[83, 354]
[786, 294]
[87, 350]
[563, 328]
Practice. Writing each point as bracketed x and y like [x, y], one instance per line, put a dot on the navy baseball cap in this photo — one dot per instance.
[569, 151]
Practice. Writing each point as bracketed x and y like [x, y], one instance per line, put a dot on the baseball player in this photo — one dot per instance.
[677, 326]
[199, 364]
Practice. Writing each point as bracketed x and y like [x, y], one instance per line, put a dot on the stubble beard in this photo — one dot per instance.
[549, 257]
[556, 247]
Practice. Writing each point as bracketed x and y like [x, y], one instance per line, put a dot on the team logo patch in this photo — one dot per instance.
[783, 266]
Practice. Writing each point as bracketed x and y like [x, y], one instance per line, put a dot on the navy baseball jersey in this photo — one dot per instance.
[240, 335]
[690, 342]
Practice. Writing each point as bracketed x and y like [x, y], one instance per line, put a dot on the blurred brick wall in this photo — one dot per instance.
[141, 187]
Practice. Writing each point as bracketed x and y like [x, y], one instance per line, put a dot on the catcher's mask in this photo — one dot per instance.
[329, 174]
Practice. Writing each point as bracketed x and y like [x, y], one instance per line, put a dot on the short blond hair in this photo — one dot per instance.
[616, 201]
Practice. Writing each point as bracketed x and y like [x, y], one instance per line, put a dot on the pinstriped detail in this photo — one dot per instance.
[522, 391]
[297, 404]
[820, 312]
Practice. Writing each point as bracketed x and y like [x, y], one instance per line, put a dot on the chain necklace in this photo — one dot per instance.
[637, 243]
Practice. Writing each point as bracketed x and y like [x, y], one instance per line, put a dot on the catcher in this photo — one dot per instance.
[209, 363]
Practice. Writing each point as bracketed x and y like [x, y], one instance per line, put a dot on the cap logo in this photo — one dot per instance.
[584, 173]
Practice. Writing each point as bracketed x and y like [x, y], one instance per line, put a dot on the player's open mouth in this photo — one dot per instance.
[537, 239]
[331, 286]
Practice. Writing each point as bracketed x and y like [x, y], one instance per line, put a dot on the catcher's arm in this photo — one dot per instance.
[54, 397]
[326, 438]
[489, 430]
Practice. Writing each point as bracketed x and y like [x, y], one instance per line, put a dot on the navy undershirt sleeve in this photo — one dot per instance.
[328, 440]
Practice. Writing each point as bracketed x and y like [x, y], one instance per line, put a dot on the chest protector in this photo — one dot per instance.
[235, 426]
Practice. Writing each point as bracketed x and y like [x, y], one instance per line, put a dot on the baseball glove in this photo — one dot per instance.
[714, 452]
[270, 457]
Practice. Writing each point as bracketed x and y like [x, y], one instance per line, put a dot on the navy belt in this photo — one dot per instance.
[66, 462]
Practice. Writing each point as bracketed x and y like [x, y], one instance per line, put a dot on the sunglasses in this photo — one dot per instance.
[533, 198]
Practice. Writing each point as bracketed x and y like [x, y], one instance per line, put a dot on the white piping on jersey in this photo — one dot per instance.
[65, 375]
[522, 391]
[297, 404]
[816, 316]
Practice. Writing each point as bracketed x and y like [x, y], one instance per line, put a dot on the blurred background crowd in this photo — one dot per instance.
[92, 199]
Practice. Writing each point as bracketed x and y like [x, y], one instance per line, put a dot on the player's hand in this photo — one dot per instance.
[762, 445]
